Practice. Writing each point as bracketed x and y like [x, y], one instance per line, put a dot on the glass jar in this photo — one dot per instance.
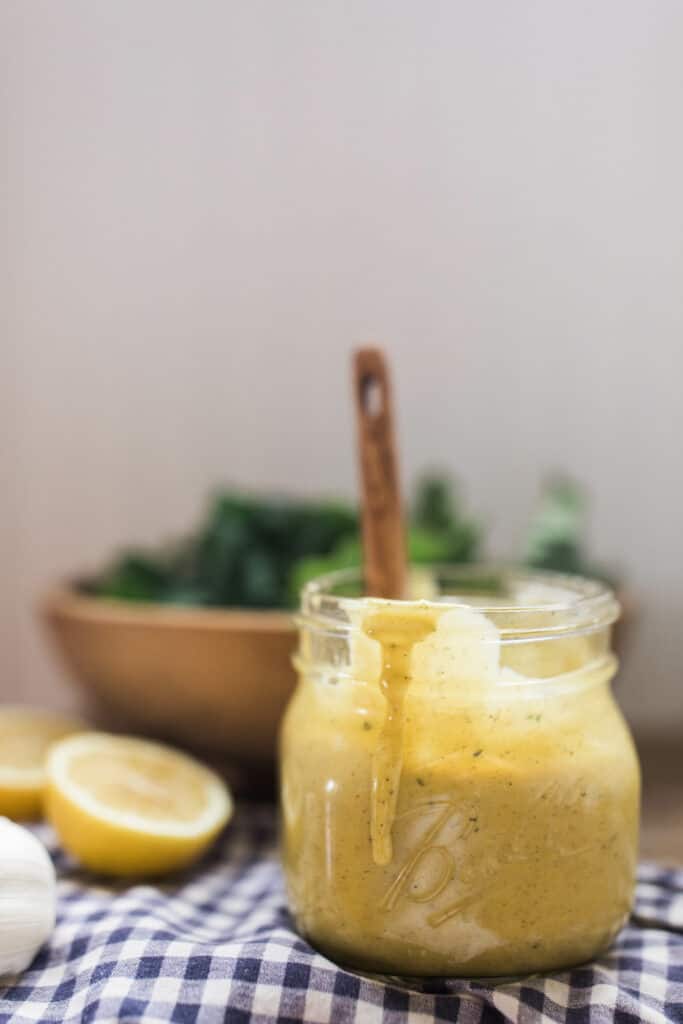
[459, 791]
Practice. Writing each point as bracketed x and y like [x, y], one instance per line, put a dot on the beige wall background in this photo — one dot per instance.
[206, 204]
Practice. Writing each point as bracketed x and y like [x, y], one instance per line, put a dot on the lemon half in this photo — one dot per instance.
[26, 735]
[125, 806]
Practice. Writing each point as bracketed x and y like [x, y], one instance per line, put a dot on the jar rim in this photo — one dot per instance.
[532, 603]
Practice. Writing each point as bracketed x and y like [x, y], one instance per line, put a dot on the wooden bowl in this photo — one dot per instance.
[213, 680]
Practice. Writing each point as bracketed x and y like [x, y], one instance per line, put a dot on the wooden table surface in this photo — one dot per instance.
[662, 829]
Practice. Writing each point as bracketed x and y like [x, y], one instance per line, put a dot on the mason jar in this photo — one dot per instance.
[459, 791]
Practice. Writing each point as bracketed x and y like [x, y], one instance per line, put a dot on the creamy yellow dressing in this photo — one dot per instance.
[445, 814]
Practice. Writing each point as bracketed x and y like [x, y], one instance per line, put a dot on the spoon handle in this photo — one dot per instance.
[384, 545]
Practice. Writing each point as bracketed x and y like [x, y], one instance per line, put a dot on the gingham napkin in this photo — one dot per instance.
[217, 945]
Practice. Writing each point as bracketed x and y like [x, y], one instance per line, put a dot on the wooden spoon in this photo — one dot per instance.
[384, 545]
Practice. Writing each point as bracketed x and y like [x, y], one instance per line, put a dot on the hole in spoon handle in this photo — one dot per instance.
[372, 395]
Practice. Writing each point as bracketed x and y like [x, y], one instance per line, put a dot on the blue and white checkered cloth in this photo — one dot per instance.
[217, 945]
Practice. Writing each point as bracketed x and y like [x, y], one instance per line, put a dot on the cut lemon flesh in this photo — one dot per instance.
[125, 806]
[26, 735]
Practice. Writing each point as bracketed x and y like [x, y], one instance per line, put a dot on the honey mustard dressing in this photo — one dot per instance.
[454, 804]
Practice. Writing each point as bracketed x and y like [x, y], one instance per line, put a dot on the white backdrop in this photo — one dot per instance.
[207, 204]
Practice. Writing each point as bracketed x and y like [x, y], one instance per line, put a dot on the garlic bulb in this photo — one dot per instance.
[28, 897]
